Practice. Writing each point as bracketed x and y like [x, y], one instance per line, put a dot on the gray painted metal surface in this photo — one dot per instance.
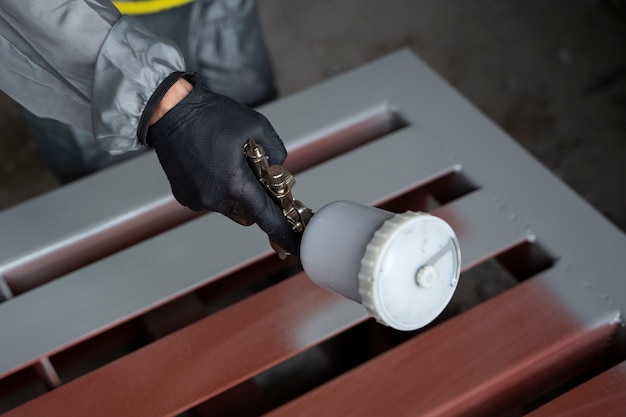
[517, 200]
[80, 209]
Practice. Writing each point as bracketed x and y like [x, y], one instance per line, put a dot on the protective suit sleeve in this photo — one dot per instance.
[83, 64]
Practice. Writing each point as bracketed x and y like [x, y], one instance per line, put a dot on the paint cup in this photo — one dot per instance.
[403, 268]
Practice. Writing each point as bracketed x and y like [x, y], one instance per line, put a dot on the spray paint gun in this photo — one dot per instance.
[403, 268]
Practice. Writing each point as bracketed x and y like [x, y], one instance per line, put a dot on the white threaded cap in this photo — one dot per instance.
[410, 270]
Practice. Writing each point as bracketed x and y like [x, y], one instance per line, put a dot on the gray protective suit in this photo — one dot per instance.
[81, 63]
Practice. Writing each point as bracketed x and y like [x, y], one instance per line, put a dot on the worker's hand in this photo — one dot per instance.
[200, 143]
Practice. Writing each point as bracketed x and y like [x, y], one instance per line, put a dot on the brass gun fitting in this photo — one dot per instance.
[278, 182]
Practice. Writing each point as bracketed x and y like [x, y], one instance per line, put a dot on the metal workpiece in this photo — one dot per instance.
[279, 183]
[559, 317]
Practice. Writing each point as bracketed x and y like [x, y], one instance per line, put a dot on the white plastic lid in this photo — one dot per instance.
[410, 270]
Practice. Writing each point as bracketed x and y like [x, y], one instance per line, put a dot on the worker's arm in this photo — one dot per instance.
[174, 95]
[80, 62]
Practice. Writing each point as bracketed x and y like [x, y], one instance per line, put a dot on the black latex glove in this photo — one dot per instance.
[200, 144]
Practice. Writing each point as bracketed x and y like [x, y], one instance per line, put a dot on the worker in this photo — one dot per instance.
[86, 65]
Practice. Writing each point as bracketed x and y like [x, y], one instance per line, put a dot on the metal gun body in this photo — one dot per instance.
[279, 183]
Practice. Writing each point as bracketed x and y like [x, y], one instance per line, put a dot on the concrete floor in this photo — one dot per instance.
[550, 73]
